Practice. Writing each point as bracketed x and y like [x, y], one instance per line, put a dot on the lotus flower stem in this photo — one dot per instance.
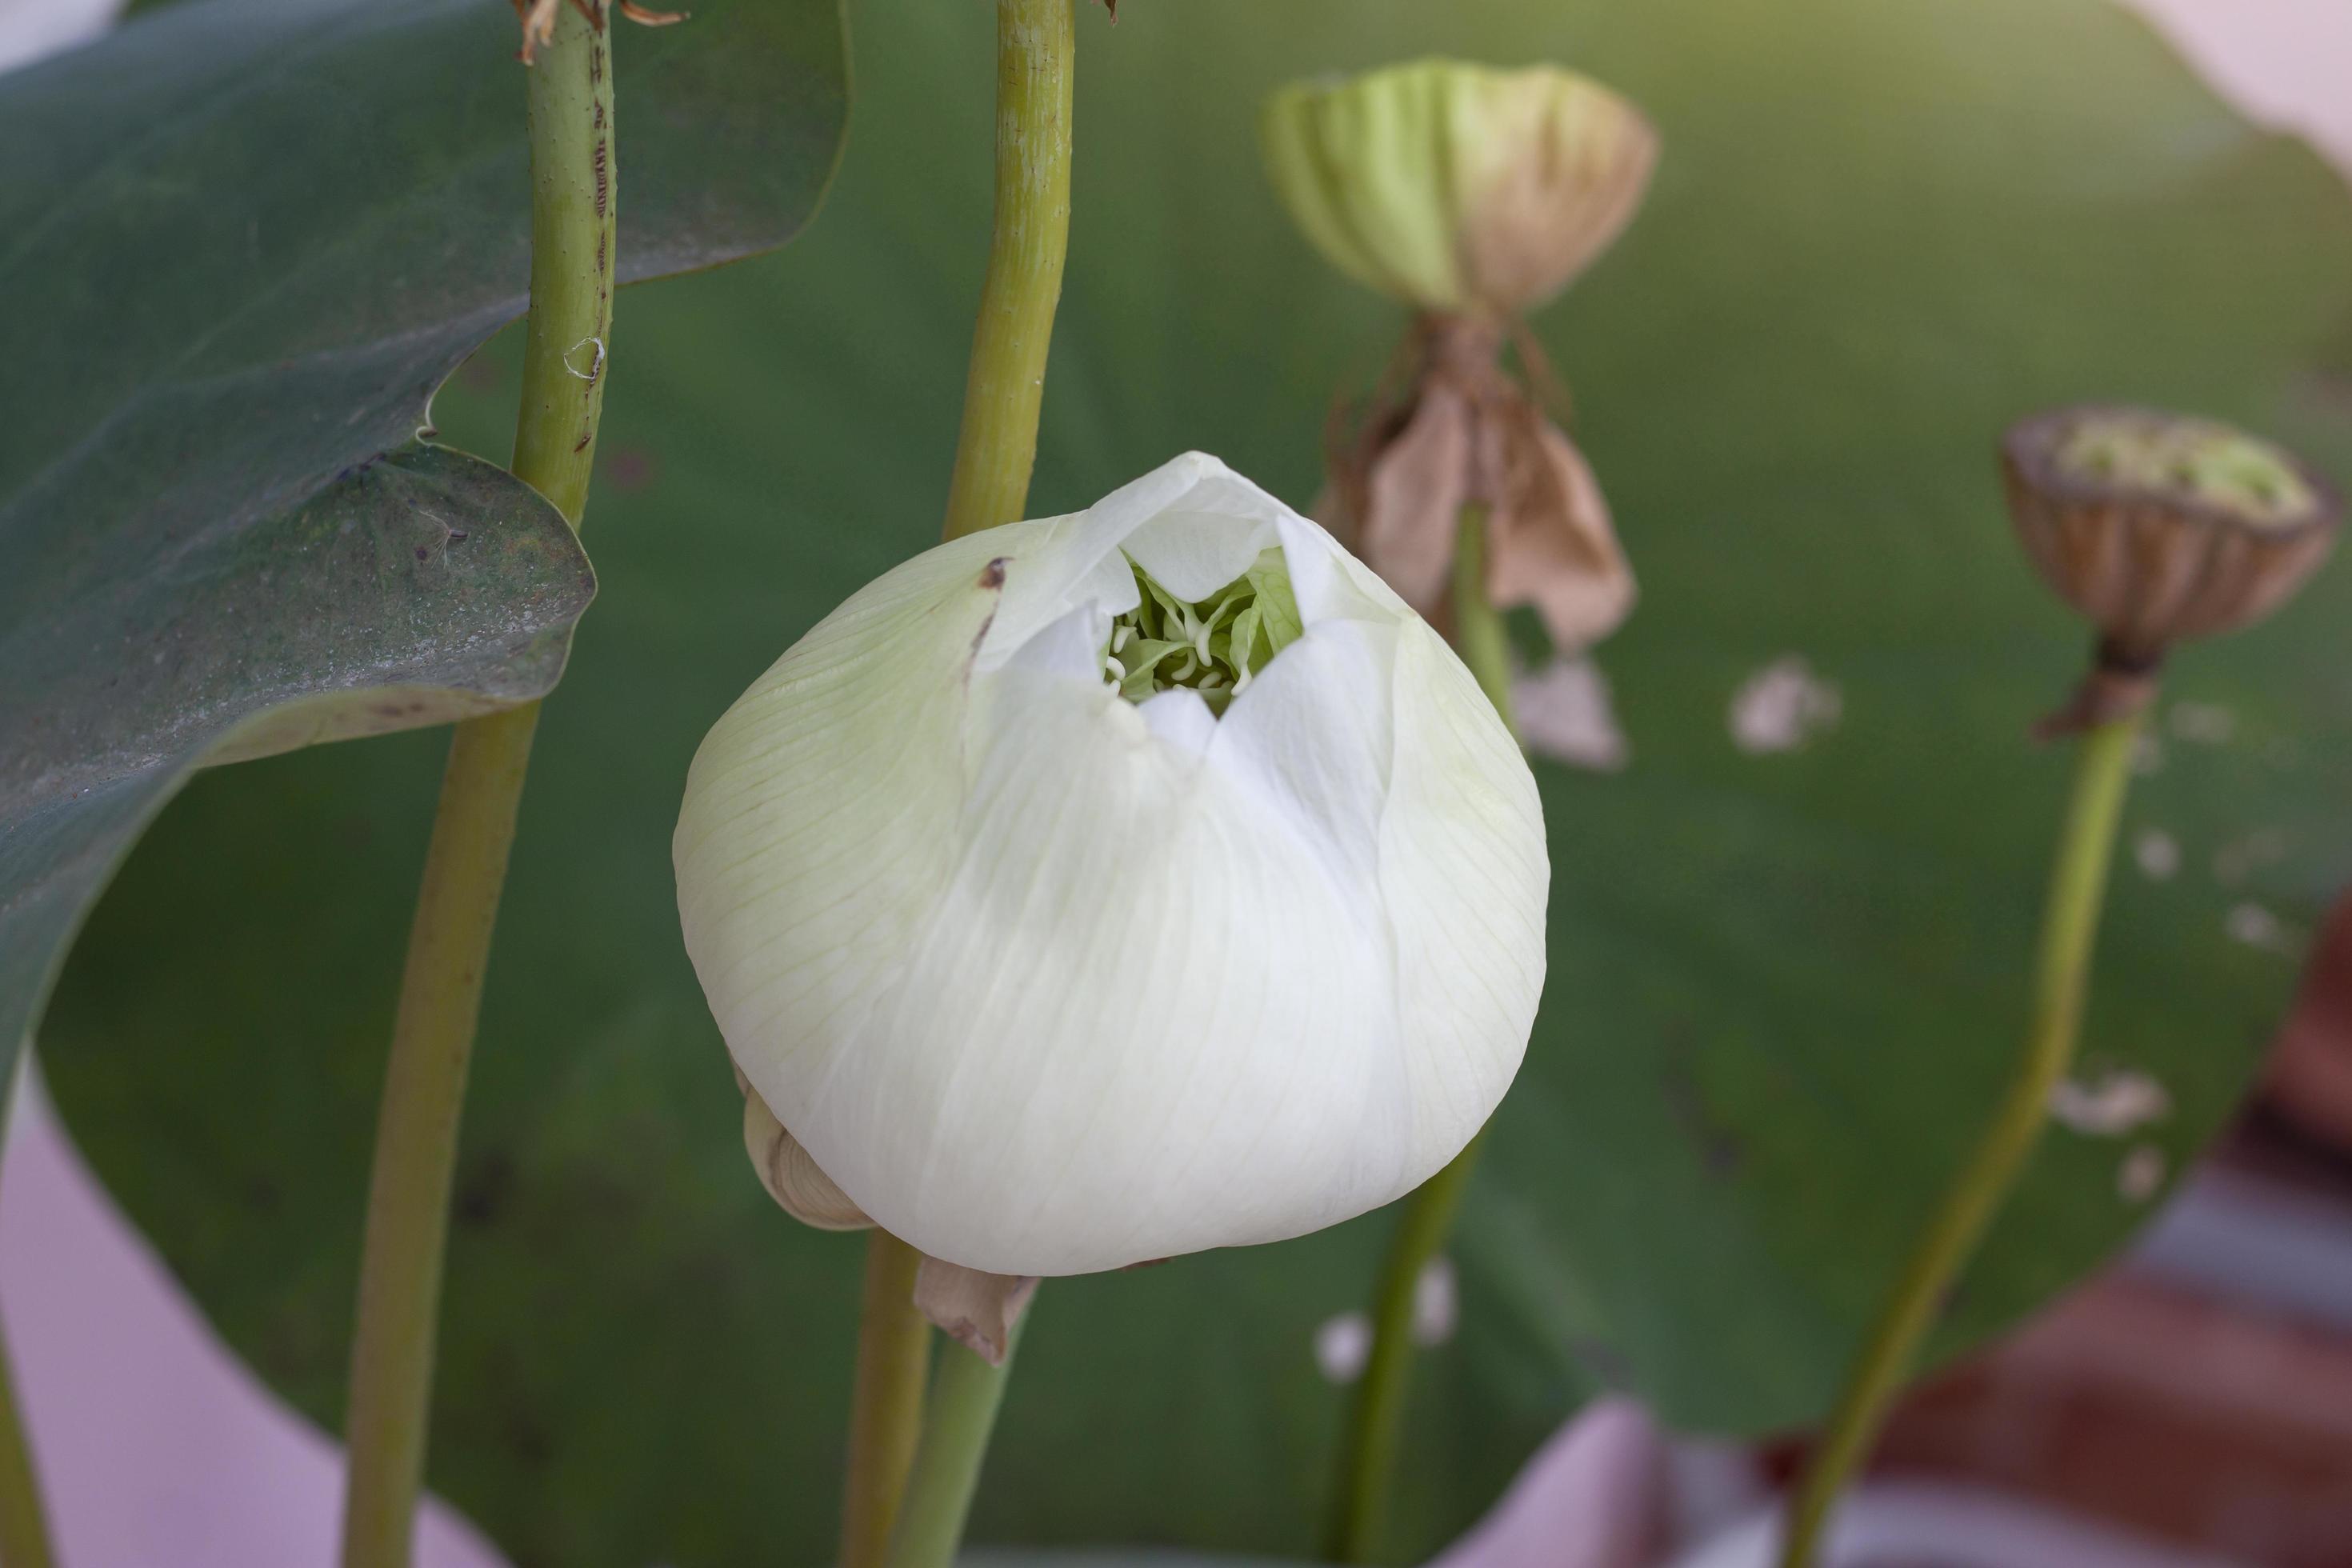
[957, 1422]
[998, 442]
[24, 1526]
[1376, 1418]
[893, 1349]
[995, 449]
[2070, 926]
[569, 96]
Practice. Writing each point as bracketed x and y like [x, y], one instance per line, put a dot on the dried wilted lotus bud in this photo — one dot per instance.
[2160, 527]
[1459, 188]
[1473, 195]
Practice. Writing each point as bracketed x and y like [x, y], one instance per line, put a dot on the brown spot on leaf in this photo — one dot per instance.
[629, 468]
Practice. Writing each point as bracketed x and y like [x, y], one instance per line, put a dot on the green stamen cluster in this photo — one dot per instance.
[2193, 458]
[1214, 646]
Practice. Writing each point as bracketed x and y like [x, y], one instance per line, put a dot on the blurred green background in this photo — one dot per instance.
[1782, 986]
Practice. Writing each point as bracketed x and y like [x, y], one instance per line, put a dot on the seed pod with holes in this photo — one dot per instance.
[1109, 886]
[2161, 528]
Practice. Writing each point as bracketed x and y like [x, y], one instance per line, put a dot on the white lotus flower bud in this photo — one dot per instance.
[1113, 886]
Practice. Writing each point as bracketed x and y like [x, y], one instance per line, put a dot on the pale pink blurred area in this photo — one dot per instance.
[1595, 1496]
[158, 1449]
[2286, 63]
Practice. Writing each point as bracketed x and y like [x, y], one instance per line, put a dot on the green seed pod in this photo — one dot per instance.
[1458, 188]
[2160, 527]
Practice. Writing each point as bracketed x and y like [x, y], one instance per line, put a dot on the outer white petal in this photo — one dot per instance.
[1049, 983]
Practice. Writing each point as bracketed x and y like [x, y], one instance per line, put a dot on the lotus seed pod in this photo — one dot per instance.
[1106, 888]
[1459, 188]
[2161, 526]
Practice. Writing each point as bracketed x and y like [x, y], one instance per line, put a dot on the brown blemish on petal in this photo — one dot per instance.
[992, 581]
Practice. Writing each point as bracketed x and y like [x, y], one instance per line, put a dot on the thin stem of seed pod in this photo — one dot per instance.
[1478, 633]
[24, 1525]
[566, 354]
[1376, 1416]
[885, 1418]
[2070, 926]
[998, 444]
[966, 1393]
[995, 449]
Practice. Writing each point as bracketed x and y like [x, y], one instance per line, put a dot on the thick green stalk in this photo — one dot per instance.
[965, 1395]
[998, 443]
[2070, 925]
[570, 95]
[995, 449]
[1376, 1416]
[24, 1528]
[885, 1418]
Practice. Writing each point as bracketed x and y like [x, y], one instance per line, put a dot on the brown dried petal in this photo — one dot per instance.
[538, 19]
[976, 1309]
[1418, 486]
[2112, 690]
[791, 1178]
[1551, 543]
[1580, 163]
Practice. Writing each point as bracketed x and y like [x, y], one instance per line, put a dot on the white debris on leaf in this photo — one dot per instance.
[2147, 753]
[2256, 927]
[1564, 713]
[2158, 854]
[2140, 1175]
[1435, 1304]
[1342, 1345]
[2114, 1105]
[1783, 706]
[2205, 724]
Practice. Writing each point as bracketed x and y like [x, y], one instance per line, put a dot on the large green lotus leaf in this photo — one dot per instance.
[242, 243]
[1784, 985]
